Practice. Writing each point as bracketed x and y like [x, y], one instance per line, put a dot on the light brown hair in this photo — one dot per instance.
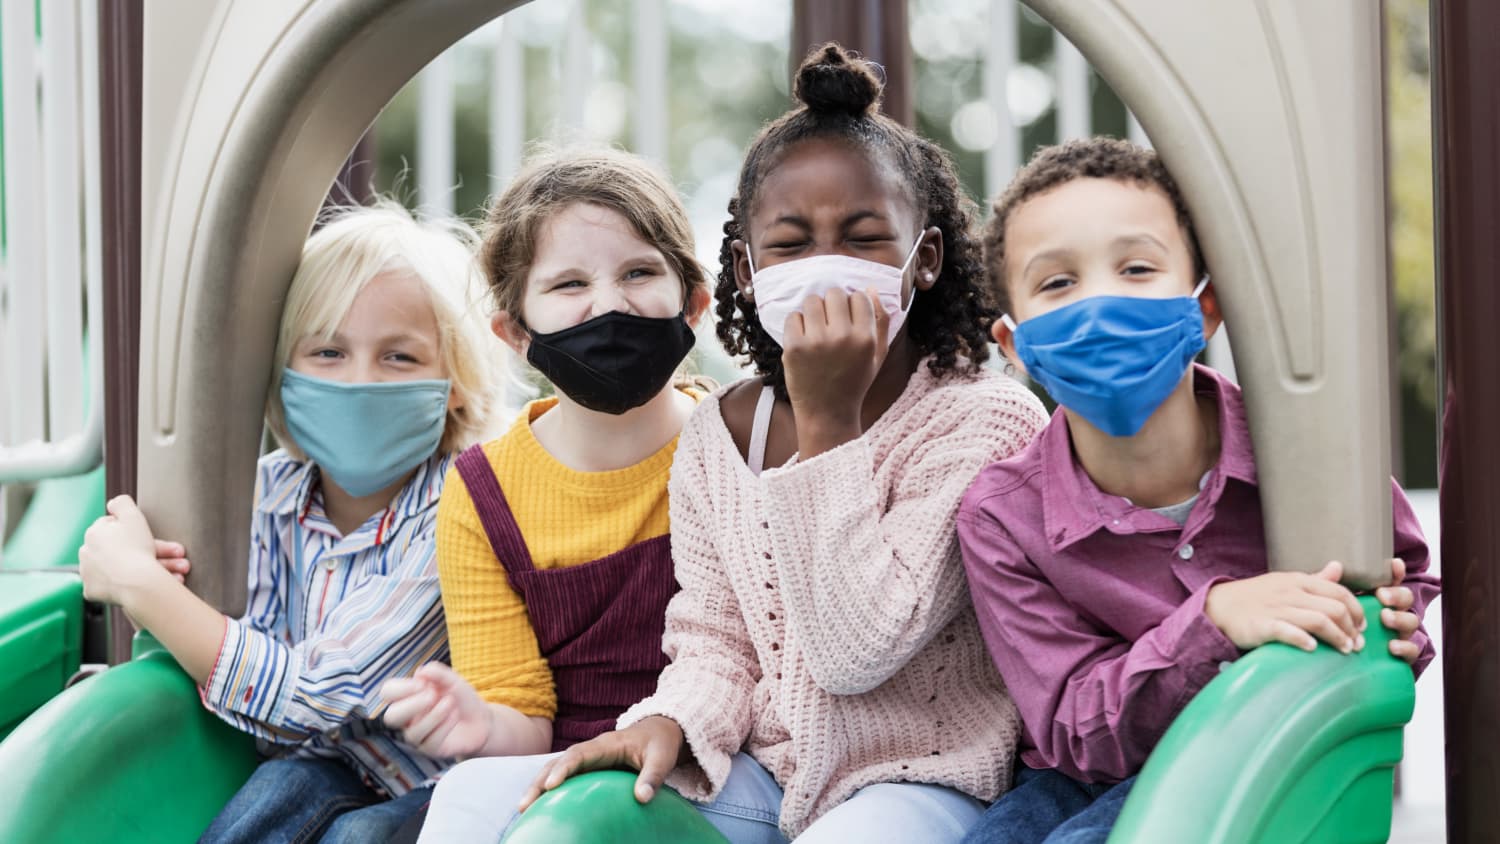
[550, 182]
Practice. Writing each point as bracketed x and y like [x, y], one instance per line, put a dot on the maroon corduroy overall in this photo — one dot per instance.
[599, 624]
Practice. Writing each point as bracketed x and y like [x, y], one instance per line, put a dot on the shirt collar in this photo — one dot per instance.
[1073, 507]
[292, 497]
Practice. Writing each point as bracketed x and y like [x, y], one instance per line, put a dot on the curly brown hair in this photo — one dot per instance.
[1085, 158]
[839, 95]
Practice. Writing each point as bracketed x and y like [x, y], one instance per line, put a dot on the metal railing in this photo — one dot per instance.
[51, 302]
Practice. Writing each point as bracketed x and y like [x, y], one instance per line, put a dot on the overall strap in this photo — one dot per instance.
[755, 457]
[494, 512]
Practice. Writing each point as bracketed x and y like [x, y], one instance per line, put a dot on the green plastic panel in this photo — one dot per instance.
[600, 808]
[1282, 747]
[41, 633]
[129, 756]
[51, 530]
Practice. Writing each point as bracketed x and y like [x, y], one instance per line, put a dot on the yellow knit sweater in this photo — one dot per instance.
[567, 518]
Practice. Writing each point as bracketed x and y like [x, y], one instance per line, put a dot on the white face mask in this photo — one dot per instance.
[778, 291]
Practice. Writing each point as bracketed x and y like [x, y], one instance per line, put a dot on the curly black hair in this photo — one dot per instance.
[839, 95]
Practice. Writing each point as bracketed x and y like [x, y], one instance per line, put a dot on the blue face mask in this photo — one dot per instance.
[364, 436]
[1112, 359]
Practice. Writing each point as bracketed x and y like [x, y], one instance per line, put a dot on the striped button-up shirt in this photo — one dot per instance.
[329, 619]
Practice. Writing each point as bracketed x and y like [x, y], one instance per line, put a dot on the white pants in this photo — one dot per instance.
[476, 801]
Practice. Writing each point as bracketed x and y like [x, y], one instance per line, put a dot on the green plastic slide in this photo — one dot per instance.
[600, 808]
[129, 756]
[1282, 747]
[41, 633]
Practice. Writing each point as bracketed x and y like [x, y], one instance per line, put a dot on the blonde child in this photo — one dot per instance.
[828, 681]
[553, 544]
[383, 373]
[1121, 558]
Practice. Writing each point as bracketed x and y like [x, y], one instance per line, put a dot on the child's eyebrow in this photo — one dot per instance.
[791, 220]
[1140, 240]
[1049, 255]
[862, 215]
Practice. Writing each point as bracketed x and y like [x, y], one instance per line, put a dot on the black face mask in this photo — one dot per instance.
[614, 362]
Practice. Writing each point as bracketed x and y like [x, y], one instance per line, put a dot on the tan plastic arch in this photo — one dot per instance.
[251, 106]
[1270, 115]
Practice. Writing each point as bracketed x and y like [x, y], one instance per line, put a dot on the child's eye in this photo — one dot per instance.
[641, 272]
[326, 354]
[403, 357]
[571, 283]
[1056, 283]
[1139, 269]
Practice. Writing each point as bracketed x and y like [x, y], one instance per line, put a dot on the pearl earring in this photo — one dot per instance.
[927, 275]
[748, 293]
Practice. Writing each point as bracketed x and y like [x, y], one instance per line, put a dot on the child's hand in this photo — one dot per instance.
[118, 554]
[651, 746]
[173, 557]
[1288, 607]
[833, 350]
[438, 712]
[1397, 615]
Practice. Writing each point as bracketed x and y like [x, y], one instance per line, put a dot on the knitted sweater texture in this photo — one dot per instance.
[824, 624]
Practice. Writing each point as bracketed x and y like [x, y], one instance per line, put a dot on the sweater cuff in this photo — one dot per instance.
[250, 675]
[697, 715]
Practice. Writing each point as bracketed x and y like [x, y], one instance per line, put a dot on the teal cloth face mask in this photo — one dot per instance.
[364, 436]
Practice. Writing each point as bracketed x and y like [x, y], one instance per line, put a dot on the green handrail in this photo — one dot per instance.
[1283, 746]
[600, 808]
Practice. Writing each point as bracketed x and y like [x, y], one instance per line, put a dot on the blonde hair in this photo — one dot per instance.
[355, 245]
[551, 181]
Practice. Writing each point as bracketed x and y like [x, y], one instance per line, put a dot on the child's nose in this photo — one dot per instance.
[609, 299]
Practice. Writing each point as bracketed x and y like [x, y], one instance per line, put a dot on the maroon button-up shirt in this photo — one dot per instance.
[1092, 607]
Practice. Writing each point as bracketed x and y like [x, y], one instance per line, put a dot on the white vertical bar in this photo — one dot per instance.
[1073, 100]
[25, 316]
[507, 105]
[650, 80]
[1134, 131]
[435, 161]
[60, 187]
[93, 220]
[1003, 158]
[577, 68]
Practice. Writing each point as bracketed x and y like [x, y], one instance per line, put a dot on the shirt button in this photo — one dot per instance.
[391, 769]
[1186, 551]
[328, 564]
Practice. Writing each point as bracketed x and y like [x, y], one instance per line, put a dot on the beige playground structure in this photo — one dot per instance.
[1267, 111]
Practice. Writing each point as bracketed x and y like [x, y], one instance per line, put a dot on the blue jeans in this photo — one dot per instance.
[476, 800]
[302, 801]
[1046, 807]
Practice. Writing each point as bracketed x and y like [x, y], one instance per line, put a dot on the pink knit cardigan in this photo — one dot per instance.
[824, 624]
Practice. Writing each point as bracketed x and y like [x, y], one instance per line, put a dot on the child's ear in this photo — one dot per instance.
[511, 332]
[1208, 300]
[929, 260]
[741, 252]
[1006, 340]
[697, 304]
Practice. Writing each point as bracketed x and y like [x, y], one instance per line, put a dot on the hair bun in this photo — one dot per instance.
[832, 80]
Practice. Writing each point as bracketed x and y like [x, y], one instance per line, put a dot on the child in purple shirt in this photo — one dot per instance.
[1119, 559]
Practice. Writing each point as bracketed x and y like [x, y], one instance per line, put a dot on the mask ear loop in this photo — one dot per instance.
[749, 291]
[904, 264]
[1202, 283]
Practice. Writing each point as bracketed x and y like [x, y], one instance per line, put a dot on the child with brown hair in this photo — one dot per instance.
[1118, 560]
[553, 548]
